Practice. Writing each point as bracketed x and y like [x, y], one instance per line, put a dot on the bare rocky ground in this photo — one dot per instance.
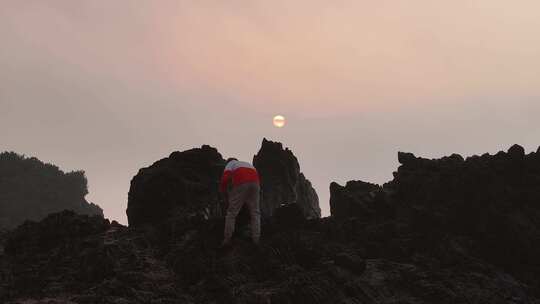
[318, 261]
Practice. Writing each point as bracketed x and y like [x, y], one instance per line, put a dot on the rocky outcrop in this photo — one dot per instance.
[443, 231]
[31, 189]
[183, 185]
[282, 182]
[485, 207]
[70, 258]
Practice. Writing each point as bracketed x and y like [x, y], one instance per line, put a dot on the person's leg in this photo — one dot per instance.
[236, 200]
[253, 201]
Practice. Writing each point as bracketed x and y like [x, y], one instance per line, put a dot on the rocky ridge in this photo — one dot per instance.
[425, 237]
[484, 206]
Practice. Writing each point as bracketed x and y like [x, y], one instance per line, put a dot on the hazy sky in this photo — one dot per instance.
[111, 86]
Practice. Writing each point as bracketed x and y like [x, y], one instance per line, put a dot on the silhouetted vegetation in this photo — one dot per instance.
[31, 189]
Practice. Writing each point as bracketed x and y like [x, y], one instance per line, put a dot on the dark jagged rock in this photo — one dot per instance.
[356, 198]
[307, 198]
[56, 229]
[282, 182]
[31, 189]
[70, 258]
[328, 262]
[183, 185]
[488, 206]
[443, 231]
[406, 158]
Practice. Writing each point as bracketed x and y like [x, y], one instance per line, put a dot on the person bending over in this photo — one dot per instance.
[240, 184]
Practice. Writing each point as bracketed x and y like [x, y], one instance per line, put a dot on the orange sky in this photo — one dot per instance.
[111, 86]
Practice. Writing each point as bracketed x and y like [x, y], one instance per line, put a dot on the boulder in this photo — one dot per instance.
[183, 185]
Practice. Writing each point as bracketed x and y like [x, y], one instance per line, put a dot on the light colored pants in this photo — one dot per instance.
[247, 193]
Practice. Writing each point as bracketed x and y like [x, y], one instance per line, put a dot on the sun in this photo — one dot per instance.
[279, 121]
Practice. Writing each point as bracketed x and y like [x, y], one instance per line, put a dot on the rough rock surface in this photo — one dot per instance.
[185, 184]
[282, 182]
[317, 261]
[31, 189]
[485, 207]
[69, 258]
[356, 198]
[388, 257]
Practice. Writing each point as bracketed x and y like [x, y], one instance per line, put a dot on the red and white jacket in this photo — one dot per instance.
[240, 172]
